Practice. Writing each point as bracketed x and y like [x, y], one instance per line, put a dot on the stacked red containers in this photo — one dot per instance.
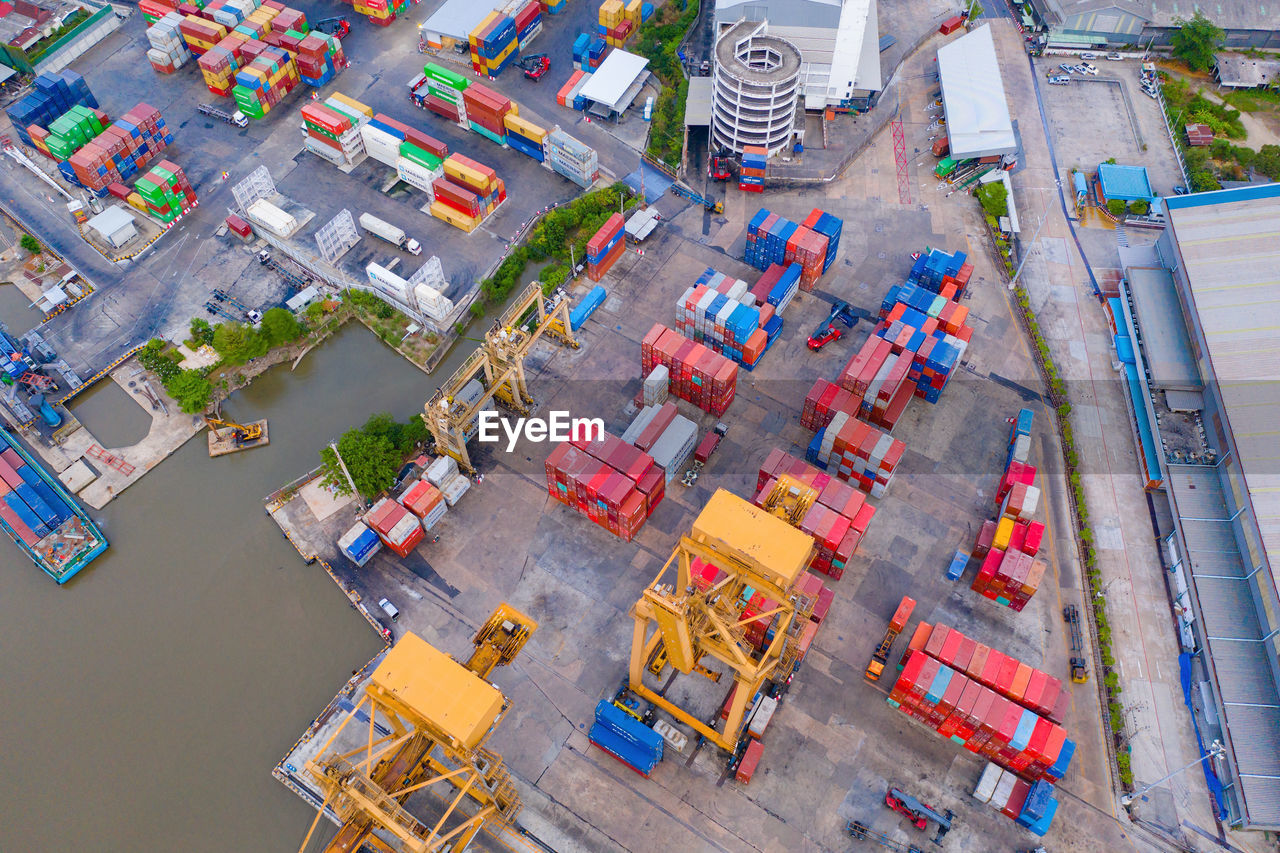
[838, 515]
[122, 150]
[459, 198]
[1011, 678]
[857, 452]
[695, 373]
[398, 528]
[605, 247]
[1009, 573]
[970, 712]
[200, 34]
[325, 125]
[808, 249]
[607, 482]
[487, 109]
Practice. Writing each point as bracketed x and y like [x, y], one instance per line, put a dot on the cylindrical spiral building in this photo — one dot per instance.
[756, 85]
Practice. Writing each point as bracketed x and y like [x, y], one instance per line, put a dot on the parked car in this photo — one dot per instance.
[1089, 55]
[1181, 190]
[1151, 93]
[1060, 80]
[1115, 57]
[1067, 68]
[1086, 68]
[389, 609]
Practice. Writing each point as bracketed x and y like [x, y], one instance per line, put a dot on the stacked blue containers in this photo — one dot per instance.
[1039, 808]
[785, 288]
[646, 12]
[360, 543]
[54, 94]
[580, 45]
[767, 236]
[594, 54]
[626, 738]
[556, 7]
[584, 309]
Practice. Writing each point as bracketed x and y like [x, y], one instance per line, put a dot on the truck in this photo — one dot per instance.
[1079, 669]
[390, 233]
[237, 118]
[899, 621]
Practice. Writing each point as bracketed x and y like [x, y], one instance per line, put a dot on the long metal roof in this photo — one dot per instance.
[612, 80]
[1164, 333]
[1229, 246]
[978, 122]
[697, 106]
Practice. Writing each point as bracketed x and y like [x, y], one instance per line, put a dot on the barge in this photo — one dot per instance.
[41, 517]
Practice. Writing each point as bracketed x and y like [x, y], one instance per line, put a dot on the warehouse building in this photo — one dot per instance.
[977, 111]
[1196, 340]
[839, 44]
[1237, 71]
[1116, 23]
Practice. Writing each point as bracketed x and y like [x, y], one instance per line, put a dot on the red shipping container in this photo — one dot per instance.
[750, 761]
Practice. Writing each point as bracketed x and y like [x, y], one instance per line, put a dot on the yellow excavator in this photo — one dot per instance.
[241, 433]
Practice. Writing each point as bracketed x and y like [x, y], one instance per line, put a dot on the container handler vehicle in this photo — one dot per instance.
[237, 118]
[899, 621]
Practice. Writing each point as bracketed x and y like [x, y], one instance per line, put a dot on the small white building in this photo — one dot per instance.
[115, 225]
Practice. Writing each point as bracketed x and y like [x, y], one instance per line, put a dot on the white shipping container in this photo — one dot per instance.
[446, 467]
[1004, 790]
[418, 176]
[433, 516]
[385, 281]
[656, 386]
[675, 445]
[403, 529]
[763, 714]
[272, 218]
[380, 145]
[641, 421]
[987, 783]
[323, 151]
[1030, 504]
[454, 489]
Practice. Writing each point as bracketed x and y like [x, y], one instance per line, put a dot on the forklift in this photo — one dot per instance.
[919, 813]
[722, 165]
[1079, 669]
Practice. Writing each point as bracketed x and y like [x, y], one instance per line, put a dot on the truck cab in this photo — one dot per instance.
[239, 119]
[413, 247]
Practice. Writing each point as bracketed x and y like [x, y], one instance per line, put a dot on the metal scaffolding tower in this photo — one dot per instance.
[337, 236]
[257, 186]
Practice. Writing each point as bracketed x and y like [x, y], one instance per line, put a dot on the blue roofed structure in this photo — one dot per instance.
[1127, 183]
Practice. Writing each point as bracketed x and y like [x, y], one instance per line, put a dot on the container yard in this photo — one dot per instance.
[704, 462]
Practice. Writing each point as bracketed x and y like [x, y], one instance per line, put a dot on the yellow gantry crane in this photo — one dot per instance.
[499, 365]
[790, 499]
[428, 717]
[690, 618]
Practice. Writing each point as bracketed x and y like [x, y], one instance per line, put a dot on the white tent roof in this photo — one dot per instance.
[457, 18]
[978, 123]
[613, 78]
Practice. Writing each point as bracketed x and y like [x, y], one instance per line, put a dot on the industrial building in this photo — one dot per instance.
[614, 85]
[1118, 23]
[973, 98]
[839, 44]
[1237, 71]
[1195, 341]
[756, 88]
[115, 225]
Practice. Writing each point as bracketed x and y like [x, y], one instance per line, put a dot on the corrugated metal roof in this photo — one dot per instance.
[1129, 183]
[613, 78]
[697, 106]
[1237, 657]
[978, 123]
[1165, 344]
[457, 18]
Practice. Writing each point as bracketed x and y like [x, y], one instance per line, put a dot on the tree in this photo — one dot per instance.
[1195, 41]
[201, 331]
[1115, 207]
[238, 343]
[31, 244]
[279, 326]
[994, 199]
[372, 461]
[1140, 207]
[192, 391]
[1268, 161]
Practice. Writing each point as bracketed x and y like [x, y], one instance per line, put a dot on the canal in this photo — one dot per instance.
[149, 698]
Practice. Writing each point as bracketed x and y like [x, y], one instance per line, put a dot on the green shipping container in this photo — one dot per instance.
[445, 76]
[426, 159]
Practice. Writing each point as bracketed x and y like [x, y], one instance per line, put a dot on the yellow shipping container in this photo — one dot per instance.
[527, 129]
[1004, 530]
[457, 220]
[632, 12]
[611, 12]
[474, 36]
[353, 103]
[135, 201]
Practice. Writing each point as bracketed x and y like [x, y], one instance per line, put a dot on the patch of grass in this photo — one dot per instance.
[659, 42]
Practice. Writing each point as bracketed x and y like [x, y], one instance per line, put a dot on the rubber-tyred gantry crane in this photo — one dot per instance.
[690, 615]
[428, 717]
[499, 364]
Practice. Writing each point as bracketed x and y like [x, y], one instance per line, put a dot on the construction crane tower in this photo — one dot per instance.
[427, 718]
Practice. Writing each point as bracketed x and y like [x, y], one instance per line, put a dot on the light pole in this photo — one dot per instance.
[1216, 750]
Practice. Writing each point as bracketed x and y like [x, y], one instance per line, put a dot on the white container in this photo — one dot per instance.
[1004, 790]
[675, 445]
[454, 489]
[987, 783]
[433, 516]
[380, 145]
[275, 220]
[403, 529]
[442, 470]
[324, 152]
[761, 717]
[1030, 503]
[656, 386]
[642, 420]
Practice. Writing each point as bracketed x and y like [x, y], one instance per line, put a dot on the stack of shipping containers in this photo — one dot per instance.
[1009, 573]
[444, 92]
[776, 288]
[359, 544]
[52, 96]
[588, 53]
[398, 528]
[659, 429]
[571, 159]
[525, 136]
[606, 246]
[69, 132]
[265, 82]
[1032, 804]
[28, 505]
[493, 44]
[426, 502]
[857, 452]
[554, 7]
[625, 738]
[165, 191]
[618, 21]
[443, 473]
[720, 311]
[381, 12]
[569, 94]
[333, 131]
[528, 18]
[611, 482]
[772, 239]
[704, 378]
[168, 51]
[486, 110]
[755, 159]
[837, 517]
[120, 151]
[467, 193]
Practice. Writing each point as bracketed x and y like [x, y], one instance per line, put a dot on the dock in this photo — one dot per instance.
[222, 441]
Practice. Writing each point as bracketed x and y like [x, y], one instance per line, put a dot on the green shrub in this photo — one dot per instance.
[1139, 208]
[994, 199]
[31, 244]
[1115, 207]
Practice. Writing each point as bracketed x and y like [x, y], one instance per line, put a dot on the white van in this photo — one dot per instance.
[389, 609]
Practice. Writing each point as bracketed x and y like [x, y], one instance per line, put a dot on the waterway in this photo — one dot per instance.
[148, 700]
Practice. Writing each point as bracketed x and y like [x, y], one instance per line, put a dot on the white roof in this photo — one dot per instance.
[978, 123]
[457, 18]
[111, 221]
[613, 78]
[697, 106]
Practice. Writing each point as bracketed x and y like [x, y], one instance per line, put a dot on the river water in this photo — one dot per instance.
[148, 700]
